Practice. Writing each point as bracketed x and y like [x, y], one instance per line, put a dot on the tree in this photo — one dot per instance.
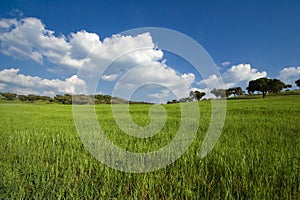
[298, 83]
[198, 95]
[22, 97]
[173, 101]
[236, 91]
[9, 96]
[219, 92]
[265, 85]
[45, 98]
[192, 96]
[66, 99]
[32, 97]
[287, 86]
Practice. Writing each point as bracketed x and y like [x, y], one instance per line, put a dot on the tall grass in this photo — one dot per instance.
[256, 157]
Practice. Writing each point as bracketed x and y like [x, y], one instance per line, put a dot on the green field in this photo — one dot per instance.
[256, 157]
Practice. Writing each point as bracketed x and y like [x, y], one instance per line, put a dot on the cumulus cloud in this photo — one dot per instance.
[33, 84]
[213, 81]
[241, 73]
[162, 94]
[28, 38]
[2, 86]
[156, 73]
[235, 76]
[226, 63]
[110, 77]
[289, 75]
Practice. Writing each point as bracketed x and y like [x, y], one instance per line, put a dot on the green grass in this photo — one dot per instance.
[256, 157]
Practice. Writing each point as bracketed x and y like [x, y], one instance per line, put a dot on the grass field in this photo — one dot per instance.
[256, 157]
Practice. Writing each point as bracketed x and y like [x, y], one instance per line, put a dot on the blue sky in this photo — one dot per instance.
[246, 40]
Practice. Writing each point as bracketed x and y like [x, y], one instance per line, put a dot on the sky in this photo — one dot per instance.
[58, 47]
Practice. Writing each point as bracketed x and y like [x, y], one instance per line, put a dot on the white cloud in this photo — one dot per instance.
[226, 63]
[5, 24]
[33, 84]
[162, 94]
[213, 81]
[190, 78]
[2, 86]
[28, 38]
[289, 75]
[235, 76]
[110, 77]
[157, 73]
[241, 73]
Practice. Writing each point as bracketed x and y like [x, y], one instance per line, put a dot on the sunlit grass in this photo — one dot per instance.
[256, 157]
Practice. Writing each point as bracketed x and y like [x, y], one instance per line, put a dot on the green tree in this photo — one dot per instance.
[9, 96]
[198, 95]
[220, 92]
[32, 97]
[66, 99]
[45, 98]
[298, 83]
[236, 91]
[265, 85]
[22, 97]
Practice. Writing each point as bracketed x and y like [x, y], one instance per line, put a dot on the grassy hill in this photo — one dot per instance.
[256, 157]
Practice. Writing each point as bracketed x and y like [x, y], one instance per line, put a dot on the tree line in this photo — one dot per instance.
[263, 85]
[194, 95]
[69, 99]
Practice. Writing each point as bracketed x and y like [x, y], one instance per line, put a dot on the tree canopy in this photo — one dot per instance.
[298, 83]
[265, 85]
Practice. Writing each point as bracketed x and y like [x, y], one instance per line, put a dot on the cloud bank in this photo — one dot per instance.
[23, 84]
[235, 76]
[132, 59]
[29, 39]
[290, 74]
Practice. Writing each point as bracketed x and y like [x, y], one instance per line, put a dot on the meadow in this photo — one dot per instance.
[256, 157]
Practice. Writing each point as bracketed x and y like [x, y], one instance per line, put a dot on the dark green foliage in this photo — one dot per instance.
[265, 85]
[236, 91]
[298, 83]
[9, 96]
[194, 95]
[32, 97]
[22, 97]
[175, 101]
[198, 95]
[64, 99]
[220, 92]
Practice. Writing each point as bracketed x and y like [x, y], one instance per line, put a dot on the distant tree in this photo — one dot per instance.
[192, 96]
[32, 97]
[45, 98]
[236, 91]
[219, 92]
[298, 83]
[287, 86]
[265, 85]
[22, 97]
[184, 100]
[198, 95]
[173, 101]
[66, 99]
[9, 96]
